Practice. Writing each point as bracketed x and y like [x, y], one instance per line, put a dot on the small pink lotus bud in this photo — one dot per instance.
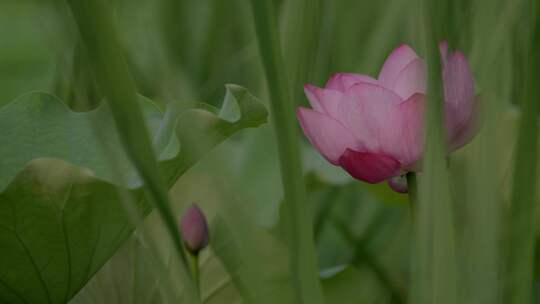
[194, 229]
[399, 183]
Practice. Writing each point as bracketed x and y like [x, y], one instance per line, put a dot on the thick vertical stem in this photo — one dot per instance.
[522, 228]
[99, 36]
[302, 27]
[412, 186]
[434, 259]
[299, 212]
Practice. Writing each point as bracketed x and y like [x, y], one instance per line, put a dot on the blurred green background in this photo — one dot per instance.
[186, 50]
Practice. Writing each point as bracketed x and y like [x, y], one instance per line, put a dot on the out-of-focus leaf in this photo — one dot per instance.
[342, 287]
[245, 264]
[27, 59]
[38, 125]
[507, 133]
[130, 277]
[59, 225]
[256, 260]
[60, 211]
[351, 285]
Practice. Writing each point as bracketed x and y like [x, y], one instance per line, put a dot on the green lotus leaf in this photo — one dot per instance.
[63, 175]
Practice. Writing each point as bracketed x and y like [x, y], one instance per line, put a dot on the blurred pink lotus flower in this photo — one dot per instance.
[374, 128]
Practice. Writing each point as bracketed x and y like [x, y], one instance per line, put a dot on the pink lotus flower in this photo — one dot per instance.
[374, 128]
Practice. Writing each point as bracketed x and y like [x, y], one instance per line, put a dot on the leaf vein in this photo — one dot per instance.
[34, 265]
[13, 291]
[66, 242]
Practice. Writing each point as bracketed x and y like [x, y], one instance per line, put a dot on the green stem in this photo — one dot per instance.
[434, 260]
[299, 228]
[522, 228]
[302, 27]
[195, 272]
[412, 187]
[101, 40]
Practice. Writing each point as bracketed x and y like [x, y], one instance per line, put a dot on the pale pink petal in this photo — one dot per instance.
[396, 61]
[343, 81]
[458, 80]
[383, 123]
[369, 167]
[458, 93]
[412, 79]
[467, 132]
[399, 184]
[326, 134]
[312, 94]
[412, 131]
[370, 113]
[443, 49]
[323, 100]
